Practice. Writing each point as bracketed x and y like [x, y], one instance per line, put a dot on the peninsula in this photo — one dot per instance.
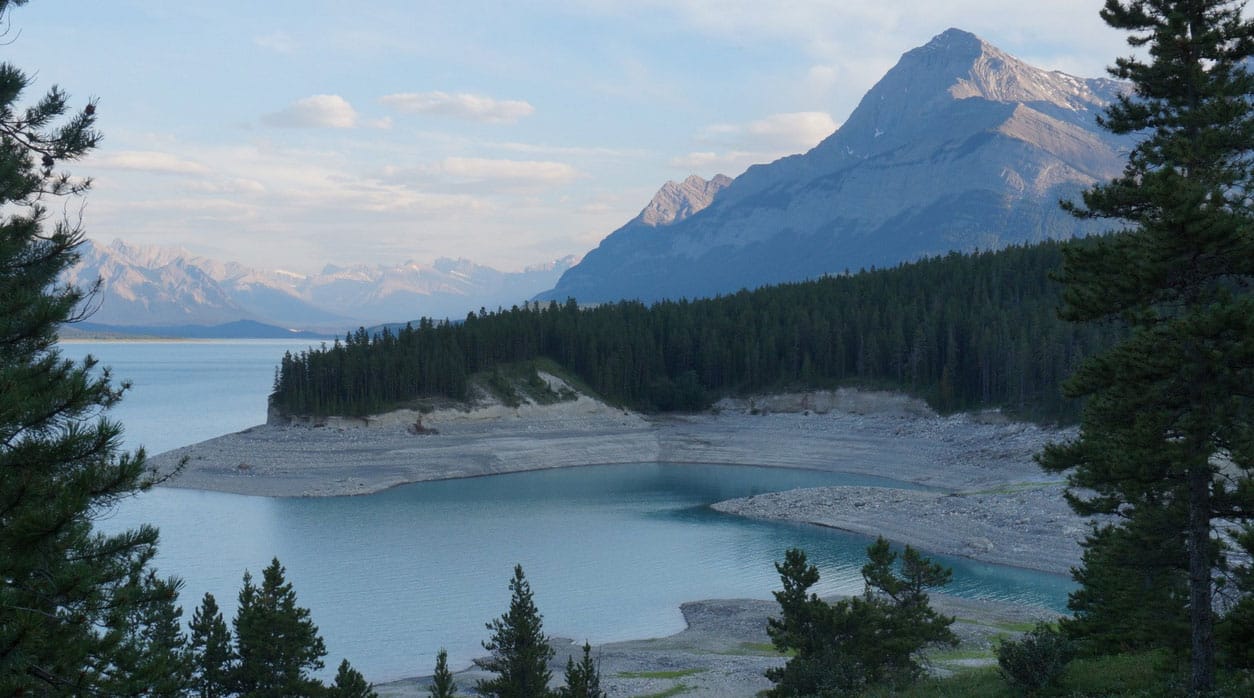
[986, 499]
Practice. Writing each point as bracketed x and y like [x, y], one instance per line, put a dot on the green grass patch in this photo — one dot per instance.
[1141, 674]
[1015, 487]
[1144, 675]
[982, 682]
[1022, 626]
[756, 649]
[951, 655]
[671, 674]
[672, 691]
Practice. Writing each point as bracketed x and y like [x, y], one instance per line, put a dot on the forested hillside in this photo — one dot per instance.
[962, 331]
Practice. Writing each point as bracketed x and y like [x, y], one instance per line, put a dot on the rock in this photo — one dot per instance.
[983, 545]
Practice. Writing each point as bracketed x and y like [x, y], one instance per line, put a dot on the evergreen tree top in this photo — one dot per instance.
[520, 650]
[80, 612]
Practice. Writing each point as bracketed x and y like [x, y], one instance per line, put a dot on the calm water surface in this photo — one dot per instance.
[611, 551]
[185, 392]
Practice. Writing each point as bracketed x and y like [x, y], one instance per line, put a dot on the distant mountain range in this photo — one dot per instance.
[239, 329]
[147, 287]
[960, 146]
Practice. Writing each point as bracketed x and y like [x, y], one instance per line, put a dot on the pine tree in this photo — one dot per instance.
[62, 585]
[442, 685]
[583, 680]
[149, 658]
[1132, 594]
[870, 639]
[520, 650]
[209, 647]
[1172, 401]
[349, 683]
[276, 641]
[1235, 633]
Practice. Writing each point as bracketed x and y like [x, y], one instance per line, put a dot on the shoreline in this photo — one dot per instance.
[724, 649]
[986, 499]
[961, 524]
[878, 434]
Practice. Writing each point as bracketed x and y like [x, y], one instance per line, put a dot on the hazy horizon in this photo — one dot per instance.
[510, 136]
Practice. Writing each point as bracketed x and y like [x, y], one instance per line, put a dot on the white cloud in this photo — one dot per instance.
[318, 111]
[221, 210]
[523, 171]
[236, 186]
[737, 146]
[459, 106]
[822, 78]
[569, 150]
[278, 41]
[858, 41]
[791, 132]
[822, 27]
[148, 161]
[731, 162]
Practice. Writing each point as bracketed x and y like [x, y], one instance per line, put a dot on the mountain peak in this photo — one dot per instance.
[955, 39]
[959, 146]
[946, 81]
[676, 201]
[967, 66]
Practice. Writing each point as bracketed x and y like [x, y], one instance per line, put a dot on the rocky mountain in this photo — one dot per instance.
[155, 286]
[151, 286]
[676, 201]
[959, 146]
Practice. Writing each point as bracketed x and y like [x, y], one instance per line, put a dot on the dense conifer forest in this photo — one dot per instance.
[961, 331]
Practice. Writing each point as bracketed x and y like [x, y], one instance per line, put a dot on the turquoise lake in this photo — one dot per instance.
[610, 551]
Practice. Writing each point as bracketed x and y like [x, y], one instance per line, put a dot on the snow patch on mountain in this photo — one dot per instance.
[157, 285]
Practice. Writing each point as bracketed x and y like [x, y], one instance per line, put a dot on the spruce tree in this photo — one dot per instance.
[520, 650]
[63, 586]
[1132, 594]
[583, 679]
[442, 685]
[349, 683]
[209, 648]
[1171, 402]
[150, 656]
[277, 642]
[1235, 632]
[865, 640]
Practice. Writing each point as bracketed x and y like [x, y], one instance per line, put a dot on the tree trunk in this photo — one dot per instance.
[1201, 622]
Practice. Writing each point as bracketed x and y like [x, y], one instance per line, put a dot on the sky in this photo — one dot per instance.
[289, 135]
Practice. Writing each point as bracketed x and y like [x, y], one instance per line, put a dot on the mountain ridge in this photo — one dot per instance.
[676, 201]
[959, 146]
[155, 286]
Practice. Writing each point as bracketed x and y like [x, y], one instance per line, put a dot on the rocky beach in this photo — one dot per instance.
[977, 493]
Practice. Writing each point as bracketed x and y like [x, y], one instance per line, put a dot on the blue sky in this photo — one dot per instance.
[294, 134]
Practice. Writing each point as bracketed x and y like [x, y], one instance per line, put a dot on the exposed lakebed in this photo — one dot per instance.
[611, 551]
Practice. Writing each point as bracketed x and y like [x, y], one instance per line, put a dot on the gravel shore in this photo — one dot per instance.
[985, 499]
[877, 434]
[725, 650]
[988, 500]
[1027, 526]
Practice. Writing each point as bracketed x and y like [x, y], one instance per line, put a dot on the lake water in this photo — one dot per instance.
[185, 392]
[610, 551]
